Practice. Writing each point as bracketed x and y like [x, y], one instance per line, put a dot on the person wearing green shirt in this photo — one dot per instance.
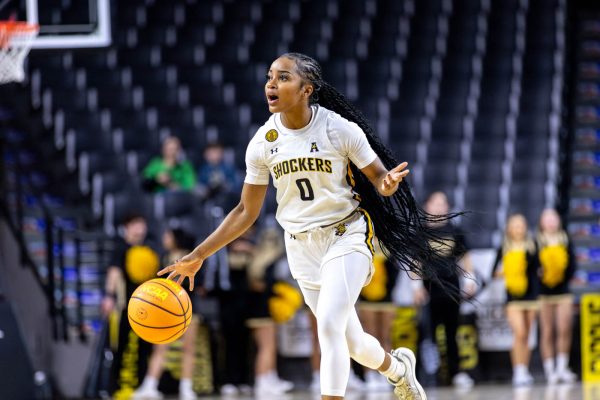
[169, 172]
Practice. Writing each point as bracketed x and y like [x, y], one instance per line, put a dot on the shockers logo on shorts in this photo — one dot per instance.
[271, 135]
[340, 229]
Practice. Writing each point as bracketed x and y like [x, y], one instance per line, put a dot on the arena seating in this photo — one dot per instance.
[468, 92]
[584, 186]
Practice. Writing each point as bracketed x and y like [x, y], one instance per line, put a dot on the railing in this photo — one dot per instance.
[66, 262]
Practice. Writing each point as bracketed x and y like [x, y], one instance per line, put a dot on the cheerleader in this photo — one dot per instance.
[518, 258]
[557, 267]
[335, 184]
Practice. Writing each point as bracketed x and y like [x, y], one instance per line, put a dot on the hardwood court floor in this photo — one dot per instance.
[481, 392]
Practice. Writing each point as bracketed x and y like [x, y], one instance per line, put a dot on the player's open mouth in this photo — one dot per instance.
[272, 99]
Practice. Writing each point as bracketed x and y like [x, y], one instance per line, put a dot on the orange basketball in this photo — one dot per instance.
[159, 311]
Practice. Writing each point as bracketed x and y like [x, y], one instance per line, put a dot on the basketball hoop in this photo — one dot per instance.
[16, 39]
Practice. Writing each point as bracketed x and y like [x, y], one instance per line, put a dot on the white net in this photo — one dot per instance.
[16, 39]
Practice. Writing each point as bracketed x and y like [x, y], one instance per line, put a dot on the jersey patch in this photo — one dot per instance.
[272, 135]
[313, 147]
[340, 229]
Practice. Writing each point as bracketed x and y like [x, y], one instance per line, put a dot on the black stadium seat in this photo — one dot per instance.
[442, 76]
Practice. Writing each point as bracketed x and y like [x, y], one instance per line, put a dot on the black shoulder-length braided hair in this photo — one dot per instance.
[407, 233]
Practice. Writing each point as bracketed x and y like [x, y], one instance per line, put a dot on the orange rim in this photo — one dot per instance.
[17, 26]
[10, 28]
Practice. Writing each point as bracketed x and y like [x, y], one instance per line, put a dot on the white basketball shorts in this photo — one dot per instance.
[308, 252]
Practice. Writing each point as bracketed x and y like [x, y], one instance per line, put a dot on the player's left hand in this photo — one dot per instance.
[392, 179]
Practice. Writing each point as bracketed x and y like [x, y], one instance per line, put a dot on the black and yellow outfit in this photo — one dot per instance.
[233, 304]
[444, 309]
[556, 266]
[520, 265]
[267, 298]
[138, 264]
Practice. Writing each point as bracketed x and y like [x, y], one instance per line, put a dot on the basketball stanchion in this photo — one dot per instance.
[16, 39]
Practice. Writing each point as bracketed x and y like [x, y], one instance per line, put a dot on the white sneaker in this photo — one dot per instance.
[284, 385]
[566, 376]
[146, 393]
[229, 389]
[187, 395]
[407, 387]
[355, 383]
[273, 379]
[463, 380]
[522, 380]
[552, 379]
[265, 386]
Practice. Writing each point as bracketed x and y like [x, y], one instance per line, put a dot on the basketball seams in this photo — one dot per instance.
[185, 318]
[189, 303]
[155, 327]
[174, 294]
[157, 306]
[173, 335]
[168, 339]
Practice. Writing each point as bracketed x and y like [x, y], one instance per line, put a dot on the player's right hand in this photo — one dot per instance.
[185, 267]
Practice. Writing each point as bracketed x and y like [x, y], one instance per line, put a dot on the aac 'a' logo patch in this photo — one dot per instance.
[272, 135]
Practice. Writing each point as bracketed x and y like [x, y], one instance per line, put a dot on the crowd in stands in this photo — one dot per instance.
[172, 171]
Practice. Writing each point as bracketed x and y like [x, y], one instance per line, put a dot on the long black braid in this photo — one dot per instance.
[406, 231]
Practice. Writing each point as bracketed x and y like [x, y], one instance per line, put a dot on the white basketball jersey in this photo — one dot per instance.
[309, 168]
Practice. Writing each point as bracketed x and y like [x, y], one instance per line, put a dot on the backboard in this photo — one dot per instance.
[64, 23]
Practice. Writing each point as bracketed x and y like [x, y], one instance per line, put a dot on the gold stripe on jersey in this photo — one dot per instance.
[352, 183]
[370, 231]
[301, 164]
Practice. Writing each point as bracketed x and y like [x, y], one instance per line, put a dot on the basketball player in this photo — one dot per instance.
[319, 151]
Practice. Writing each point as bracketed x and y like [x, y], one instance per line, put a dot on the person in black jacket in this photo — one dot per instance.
[443, 308]
[557, 267]
[133, 262]
[519, 260]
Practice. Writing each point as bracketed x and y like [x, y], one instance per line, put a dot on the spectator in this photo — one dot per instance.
[233, 303]
[133, 263]
[170, 171]
[176, 243]
[518, 256]
[557, 267]
[216, 177]
[443, 309]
